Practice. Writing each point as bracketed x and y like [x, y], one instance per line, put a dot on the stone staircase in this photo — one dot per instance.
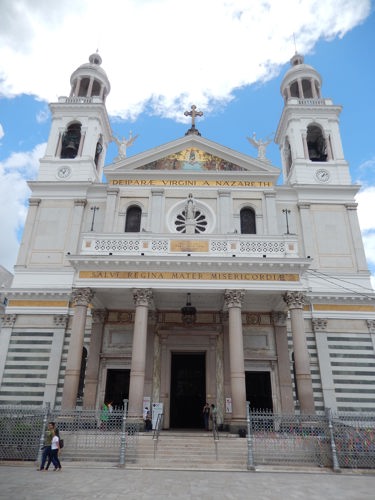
[177, 450]
[190, 451]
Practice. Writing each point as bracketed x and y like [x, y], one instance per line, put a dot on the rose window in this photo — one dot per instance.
[198, 221]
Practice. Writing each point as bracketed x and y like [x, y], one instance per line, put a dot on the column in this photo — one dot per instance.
[295, 302]
[283, 362]
[26, 243]
[355, 231]
[308, 234]
[81, 297]
[225, 222]
[305, 146]
[371, 329]
[271, 213]
[313, 89]
[110, 209]
[300, 89]
[92, 369]
[233, 300]
[156, 209]
[326, 377]
[75, 228]
[6, 327]
[142, 299]
[60, 322]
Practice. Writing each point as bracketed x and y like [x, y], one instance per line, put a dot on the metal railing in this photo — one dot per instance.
[156, 432]
[335, 440]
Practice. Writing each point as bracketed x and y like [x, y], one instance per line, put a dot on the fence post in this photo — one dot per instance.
[123, 434]
[44, 427]
[336, 466]
[250, 454]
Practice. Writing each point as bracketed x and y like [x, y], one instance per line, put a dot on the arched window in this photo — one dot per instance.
[70, 141]
[247, 219]
[294, 89]
[133, 219]
[84, 87]
[316, 144]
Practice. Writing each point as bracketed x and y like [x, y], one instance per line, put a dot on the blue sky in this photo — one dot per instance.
[159, 65]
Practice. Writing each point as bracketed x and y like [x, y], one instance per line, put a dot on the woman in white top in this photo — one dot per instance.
[55, 446]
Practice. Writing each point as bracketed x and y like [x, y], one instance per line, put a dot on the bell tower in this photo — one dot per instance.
[308, 132]
[80, 129]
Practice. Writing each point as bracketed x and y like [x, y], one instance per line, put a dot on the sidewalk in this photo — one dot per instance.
[85, 481]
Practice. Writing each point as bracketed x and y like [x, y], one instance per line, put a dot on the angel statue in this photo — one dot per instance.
[123, 144]
[260, 145]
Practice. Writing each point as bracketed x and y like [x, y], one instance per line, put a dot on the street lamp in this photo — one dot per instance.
[93, 209]
[286, 211]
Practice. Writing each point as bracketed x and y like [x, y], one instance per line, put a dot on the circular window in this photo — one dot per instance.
[198, 219]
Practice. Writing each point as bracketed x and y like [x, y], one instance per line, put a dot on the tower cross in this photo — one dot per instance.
[193, 114]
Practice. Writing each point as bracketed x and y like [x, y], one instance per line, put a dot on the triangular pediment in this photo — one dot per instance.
[191, 154]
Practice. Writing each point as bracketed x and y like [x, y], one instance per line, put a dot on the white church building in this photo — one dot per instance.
[188, 273]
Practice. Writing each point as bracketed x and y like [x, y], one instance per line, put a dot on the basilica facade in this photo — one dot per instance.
[188, 273]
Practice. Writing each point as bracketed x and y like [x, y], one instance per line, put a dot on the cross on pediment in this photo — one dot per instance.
[193, 113]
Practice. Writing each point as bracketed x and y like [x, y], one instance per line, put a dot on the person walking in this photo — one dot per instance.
[55, 448]
[213, 415]
[46, 455]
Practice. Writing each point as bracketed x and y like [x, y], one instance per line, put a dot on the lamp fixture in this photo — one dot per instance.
[188, 312]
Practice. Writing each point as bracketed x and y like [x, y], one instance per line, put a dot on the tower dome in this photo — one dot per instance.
[90, 79]
[301, 81]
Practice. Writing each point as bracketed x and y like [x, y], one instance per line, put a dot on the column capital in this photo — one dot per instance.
[8, 320]
[371, 325]
[80, 203]
[34, 202]
[82, 296]
[142, 296]
[351, 206]
[234, 298]
[294, 300]
[99, 315]
[279, 318]
[113, 191]
[319, 324]
[60, 320]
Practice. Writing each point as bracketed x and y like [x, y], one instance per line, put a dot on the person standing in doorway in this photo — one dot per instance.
[206, 416]
[47, 445]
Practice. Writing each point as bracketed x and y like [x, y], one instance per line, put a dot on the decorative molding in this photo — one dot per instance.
[8, 320]
[279, 318]
[99, 316]
[80, 203]
[60, 320]
[234, 298]
[142, 297]
[294, 300]
[82, 296]
[371, 325]
[319, 324]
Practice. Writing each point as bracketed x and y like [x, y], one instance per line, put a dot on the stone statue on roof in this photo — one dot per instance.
[260, 144]
[123, 144]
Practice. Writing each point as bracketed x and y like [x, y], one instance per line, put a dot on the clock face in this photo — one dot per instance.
[322, 175]
[64, 172]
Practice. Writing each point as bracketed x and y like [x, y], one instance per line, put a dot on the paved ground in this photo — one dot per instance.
[24, 482]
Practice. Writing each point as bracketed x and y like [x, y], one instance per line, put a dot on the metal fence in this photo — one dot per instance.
[330, 440]
[89, 435]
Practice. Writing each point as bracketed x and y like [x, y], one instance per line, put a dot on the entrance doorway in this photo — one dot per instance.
[258, 390]
[117, 387]
[188, 390]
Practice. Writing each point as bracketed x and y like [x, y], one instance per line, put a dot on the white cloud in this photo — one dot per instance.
[162, 54]
[1, 131]
[14, 193]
